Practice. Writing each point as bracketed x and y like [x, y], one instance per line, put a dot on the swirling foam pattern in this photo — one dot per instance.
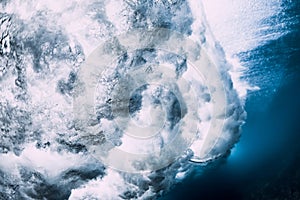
[110, 99]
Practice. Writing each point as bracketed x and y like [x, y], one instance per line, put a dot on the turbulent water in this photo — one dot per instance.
[48, 150]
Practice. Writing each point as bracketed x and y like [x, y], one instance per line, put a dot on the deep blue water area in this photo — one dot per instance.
[265, 163]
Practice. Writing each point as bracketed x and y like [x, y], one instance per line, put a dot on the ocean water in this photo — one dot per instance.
[54, 146]
[264, 164]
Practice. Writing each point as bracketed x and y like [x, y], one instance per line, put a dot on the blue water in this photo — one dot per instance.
[41, 154]
[265, 163]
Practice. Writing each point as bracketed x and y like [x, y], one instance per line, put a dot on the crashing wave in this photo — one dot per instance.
[44, 45]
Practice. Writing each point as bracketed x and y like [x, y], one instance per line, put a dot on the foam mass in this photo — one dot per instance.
[50, 149]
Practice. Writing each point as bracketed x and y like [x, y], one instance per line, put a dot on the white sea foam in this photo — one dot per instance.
[76, 28]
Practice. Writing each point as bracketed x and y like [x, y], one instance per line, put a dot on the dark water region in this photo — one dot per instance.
[265, 164]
